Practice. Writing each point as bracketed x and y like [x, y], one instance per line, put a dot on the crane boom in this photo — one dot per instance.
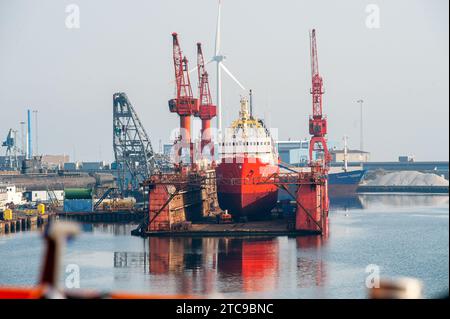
[207, 110]
[203, 81]
[182, 80]
[184, 104]
[317, 123]
[317, 82]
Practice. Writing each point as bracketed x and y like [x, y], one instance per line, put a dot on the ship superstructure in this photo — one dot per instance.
[248, 155]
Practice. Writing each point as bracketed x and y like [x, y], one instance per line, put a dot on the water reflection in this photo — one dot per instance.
[311, 269]
[115, 229]
[368, 201]
[403, 200]
[130, 260]
[255, 266]
[315, 242]
[305, 267]
[254, 262]
[228, 265]
[352, 201]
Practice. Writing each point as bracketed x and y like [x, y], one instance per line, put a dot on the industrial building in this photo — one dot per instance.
[10, 194]
[297, 153]
[5, 162]
[47, 162]
[353, 156]
[54, 161]
[293, 152]
[43, 196]
[87, 167]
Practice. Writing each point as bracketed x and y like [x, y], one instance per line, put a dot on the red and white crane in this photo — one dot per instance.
[207, 110]
[185, 105]
[317, 122]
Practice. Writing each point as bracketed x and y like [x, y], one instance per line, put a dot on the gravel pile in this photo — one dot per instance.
[408, 178]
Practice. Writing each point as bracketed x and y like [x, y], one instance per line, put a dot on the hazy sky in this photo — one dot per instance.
[69, 75]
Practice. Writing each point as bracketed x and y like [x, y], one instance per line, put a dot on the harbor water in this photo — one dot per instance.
[393, 235]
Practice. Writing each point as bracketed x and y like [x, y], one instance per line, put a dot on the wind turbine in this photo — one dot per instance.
[219, 58]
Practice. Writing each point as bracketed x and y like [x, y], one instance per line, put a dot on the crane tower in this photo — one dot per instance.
[317, 122]
[207, 110]
[10, 144]
[184, 104]
[133, 150]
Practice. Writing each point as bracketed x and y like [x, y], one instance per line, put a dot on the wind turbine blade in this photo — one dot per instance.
[193, 69]
[190, 71]
[218, 29]
[231, 75]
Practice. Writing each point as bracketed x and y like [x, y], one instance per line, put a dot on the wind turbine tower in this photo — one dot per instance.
[219, 58]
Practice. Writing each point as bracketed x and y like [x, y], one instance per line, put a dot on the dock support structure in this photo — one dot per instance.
[176, 200]
[311, 198]
[312, 208]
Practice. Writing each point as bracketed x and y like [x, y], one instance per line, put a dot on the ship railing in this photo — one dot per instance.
[274, 179]
[174, 179]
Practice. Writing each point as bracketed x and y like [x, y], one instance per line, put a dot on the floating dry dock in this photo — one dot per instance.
[181, 204]
[248, 229]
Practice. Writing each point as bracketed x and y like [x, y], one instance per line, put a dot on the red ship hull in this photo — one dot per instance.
[246, 198]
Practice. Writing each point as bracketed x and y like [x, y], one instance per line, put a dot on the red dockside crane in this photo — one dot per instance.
[317, 123]
[207, 109]
[185, 105]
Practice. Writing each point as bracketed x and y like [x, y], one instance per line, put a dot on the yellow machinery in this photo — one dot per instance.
[117, 204]
[8, 214]
[41, 209]
[30, 212]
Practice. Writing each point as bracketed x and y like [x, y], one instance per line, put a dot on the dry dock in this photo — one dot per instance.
[248, 229]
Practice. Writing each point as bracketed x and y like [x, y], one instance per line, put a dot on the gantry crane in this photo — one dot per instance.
[317, 122]
[135, 158]
[207, 110]
[11, 159]
[184, 104]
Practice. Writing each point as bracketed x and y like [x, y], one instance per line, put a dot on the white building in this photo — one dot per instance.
[43, 196]
[10, 194]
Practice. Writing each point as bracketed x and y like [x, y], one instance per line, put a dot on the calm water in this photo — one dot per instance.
[405, 235]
